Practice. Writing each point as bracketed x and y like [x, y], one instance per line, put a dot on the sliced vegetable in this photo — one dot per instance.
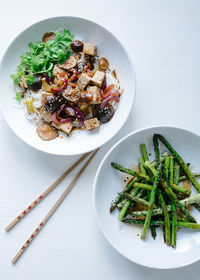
[77, 46]
[103, 63]
[72, 74]
[48, 36]
[79, 116]
[106, 92]
[29, 104]
[108, 99]
[60, 86]
[69, 63]
[103, 115]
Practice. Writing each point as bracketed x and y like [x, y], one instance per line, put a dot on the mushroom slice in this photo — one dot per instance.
[46, 132]
[69, 63]
[48, 36]
[71, 93]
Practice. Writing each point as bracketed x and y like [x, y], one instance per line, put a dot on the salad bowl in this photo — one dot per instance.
[79, 141]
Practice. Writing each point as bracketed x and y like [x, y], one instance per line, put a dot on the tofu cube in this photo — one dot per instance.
[98, 78]
[83, 81]
[45, 95]
[91, 124]
[90, 49]
[45, 114]
[57, 70]
[95, 91]
[65, 127]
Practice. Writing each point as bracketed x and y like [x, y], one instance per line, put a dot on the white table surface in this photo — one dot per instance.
[163, 38]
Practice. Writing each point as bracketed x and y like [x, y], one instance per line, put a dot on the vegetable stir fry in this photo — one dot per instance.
[63, 85]
[154, 197]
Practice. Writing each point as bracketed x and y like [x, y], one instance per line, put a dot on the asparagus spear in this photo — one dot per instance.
[177, 188]
[197, 206]
[156, 148]
[148, 165]
[188, 172]
[142, 169]
[180, 189]
[145, 157]
[121, 204]
[166, 167]
[171, 170]
[156, 212]
[144, 152]
[151, 203]
[127, 204]
[135, 199]
[166, 219]
[176, 174]
[141, 165]
[158, 223]
[143, 186]
[182, 178]
[118, 198]
[172, 195]
[130, 171]
[153, 231]
[174, 211]
[135, 192]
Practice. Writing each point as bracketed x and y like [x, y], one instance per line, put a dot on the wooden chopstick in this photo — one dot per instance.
[47, 191]
[52, 210]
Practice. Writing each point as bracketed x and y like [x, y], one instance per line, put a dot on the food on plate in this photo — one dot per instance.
[158, 193]
[63, 84]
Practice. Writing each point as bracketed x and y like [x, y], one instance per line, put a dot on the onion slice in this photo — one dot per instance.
[108, 99]
[79, 116]
[56, 89]
[55, 116]
[104, 85]
[74, 75]
[106, 92]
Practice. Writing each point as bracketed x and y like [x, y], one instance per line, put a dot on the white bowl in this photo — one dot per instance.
[108, 46]
[125, 238]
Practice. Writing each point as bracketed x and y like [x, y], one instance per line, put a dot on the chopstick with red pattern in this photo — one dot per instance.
[46, 192]
[52, 210]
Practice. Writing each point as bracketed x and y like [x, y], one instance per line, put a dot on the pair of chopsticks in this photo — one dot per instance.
[55, 206]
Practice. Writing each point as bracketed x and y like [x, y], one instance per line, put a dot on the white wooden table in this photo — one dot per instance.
[163, 38]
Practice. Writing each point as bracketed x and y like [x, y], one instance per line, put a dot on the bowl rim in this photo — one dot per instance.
[132, 68]
[94, 197]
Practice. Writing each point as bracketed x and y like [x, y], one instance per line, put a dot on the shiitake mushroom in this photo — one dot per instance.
[37, 84]
[103, 63]
[53, 103]
[103, 115]
[48, 36]
[77, 46]
[88, 59]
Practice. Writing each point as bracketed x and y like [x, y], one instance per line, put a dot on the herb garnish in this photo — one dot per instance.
[42, 57]
[18, 96]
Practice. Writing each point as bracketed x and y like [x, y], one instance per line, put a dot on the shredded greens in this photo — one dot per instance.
[42, 57]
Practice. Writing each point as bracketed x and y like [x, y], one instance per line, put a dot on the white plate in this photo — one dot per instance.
[124, 238]
[108, 46]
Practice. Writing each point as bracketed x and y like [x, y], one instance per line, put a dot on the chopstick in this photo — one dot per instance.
[46, 192]
[52, 210]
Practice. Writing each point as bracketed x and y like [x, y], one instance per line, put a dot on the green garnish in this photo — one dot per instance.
[18, 96]
[42, 57]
